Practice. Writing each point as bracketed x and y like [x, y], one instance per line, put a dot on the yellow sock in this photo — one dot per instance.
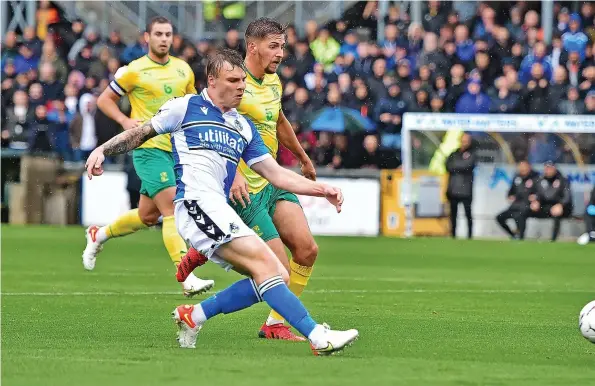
[126, 224]
[175, 245]
[298, 279]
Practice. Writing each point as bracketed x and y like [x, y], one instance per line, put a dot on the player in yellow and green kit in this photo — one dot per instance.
[149, 82]
[274, 214]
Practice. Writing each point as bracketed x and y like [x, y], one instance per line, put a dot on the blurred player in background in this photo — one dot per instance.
[274, 214]
[149, 82]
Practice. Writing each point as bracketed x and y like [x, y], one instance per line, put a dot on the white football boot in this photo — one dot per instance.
[92, 249]
[194, 286]
[187, 329]
[325, 341]
[585, 238]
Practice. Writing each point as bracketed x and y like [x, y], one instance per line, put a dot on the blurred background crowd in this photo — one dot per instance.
[465, 57]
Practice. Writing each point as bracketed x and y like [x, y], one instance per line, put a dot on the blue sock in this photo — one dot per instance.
[239, 295]
[275, 292]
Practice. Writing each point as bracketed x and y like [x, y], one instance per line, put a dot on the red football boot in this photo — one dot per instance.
[279, 331]
[189, 263]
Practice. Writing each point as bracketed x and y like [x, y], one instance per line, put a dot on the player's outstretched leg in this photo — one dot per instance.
[126, 224]
[249, 254]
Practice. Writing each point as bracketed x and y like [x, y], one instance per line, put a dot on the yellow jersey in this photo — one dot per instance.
[261, 103]
[149, 85]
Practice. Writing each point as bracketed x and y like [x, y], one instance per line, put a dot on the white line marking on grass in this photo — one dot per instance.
[320, 291]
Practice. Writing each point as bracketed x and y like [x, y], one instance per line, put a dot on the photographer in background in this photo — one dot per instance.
[589, 236]
[523, 186]
[460, 166]
[552, 197]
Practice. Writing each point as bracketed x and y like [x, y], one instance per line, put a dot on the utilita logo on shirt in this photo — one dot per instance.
[222, 137]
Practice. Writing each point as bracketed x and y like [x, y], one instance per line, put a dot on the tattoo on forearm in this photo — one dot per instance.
[129, 139]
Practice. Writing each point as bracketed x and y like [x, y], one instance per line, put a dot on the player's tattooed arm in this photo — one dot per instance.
[129, 139]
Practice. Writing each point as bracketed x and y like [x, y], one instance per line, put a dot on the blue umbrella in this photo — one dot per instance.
[340, 120]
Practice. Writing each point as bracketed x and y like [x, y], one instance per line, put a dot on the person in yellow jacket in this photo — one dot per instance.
[325, 49]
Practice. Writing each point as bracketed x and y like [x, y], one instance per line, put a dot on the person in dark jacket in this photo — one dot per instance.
[389, 114]
[460, 166]
[589, 235]
[523, 186]
[552, 197]
[473, 101]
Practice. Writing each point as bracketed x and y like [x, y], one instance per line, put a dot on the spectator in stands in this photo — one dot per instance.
[552, 197]
[522, 187]
[72, 35]
[36, 96]
[18, 119]
[474, 101]
[98, 68]
[460, 165]
[504, 101]
[84, 60]
[318, 94]
[362, 101]
[574, 68]
[52, 88]
[389, 114]
[435, 17]
[91, 40]
[536, 92]
[135, 51]
[50, 56]
[557, 90]
[10, 49]
[45, 16]
[502, 47]
[325, 48]
[588, 83]
[465, 46]
[589, 235]
[575, 39]
[30, 38]
[26, 60]
[457, 87]
[558, 54]
[83, 137]
[538, 56]
[488, 69]
[303, 58]
[350, 44]
[40, 139]
[233, 41]
[572, 105]
[376, 81]
[437, 104]
[323, 152]
[298, 107]
[115, 44]
[484, 28]
[432, 57]
[422, 101]
[60, 118]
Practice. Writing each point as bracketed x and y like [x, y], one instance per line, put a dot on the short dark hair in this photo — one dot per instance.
[263, 27]
[157, 20]
[218, 58]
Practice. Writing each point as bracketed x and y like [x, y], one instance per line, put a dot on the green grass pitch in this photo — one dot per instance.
[429, 311]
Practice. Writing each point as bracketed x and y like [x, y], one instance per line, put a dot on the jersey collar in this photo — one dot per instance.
[206, 97]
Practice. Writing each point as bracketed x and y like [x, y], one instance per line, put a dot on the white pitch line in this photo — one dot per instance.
[320, 291]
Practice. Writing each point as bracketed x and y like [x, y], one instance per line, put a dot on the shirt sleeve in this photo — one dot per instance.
[124, 81]
[170, 116]
[255, 151]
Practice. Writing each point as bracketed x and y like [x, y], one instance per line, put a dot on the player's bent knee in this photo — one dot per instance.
[307, 254]
[149, 219]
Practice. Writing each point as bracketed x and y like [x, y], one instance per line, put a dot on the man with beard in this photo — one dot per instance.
[523, 186]
[149, 82]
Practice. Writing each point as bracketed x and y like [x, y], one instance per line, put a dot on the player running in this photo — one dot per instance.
[209, 138]
[273, 213]
[149, 82]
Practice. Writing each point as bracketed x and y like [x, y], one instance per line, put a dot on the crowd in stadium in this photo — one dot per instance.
[465, 57]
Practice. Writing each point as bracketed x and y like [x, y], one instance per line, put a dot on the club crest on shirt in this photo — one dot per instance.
[181, 73]
[556, 184]
[275, 90]
[237, 124]
[234, 228]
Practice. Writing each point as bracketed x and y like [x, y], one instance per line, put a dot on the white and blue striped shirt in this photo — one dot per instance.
[207, 144]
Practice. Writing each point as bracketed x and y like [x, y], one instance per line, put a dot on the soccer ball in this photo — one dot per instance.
[586, 321]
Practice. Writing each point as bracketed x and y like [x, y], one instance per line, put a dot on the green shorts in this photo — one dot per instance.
[258, 215]
[155, 168]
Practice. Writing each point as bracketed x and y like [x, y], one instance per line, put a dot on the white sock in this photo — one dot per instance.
[198, 315]
[101, 235]
[272, 321]
[317, 335]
